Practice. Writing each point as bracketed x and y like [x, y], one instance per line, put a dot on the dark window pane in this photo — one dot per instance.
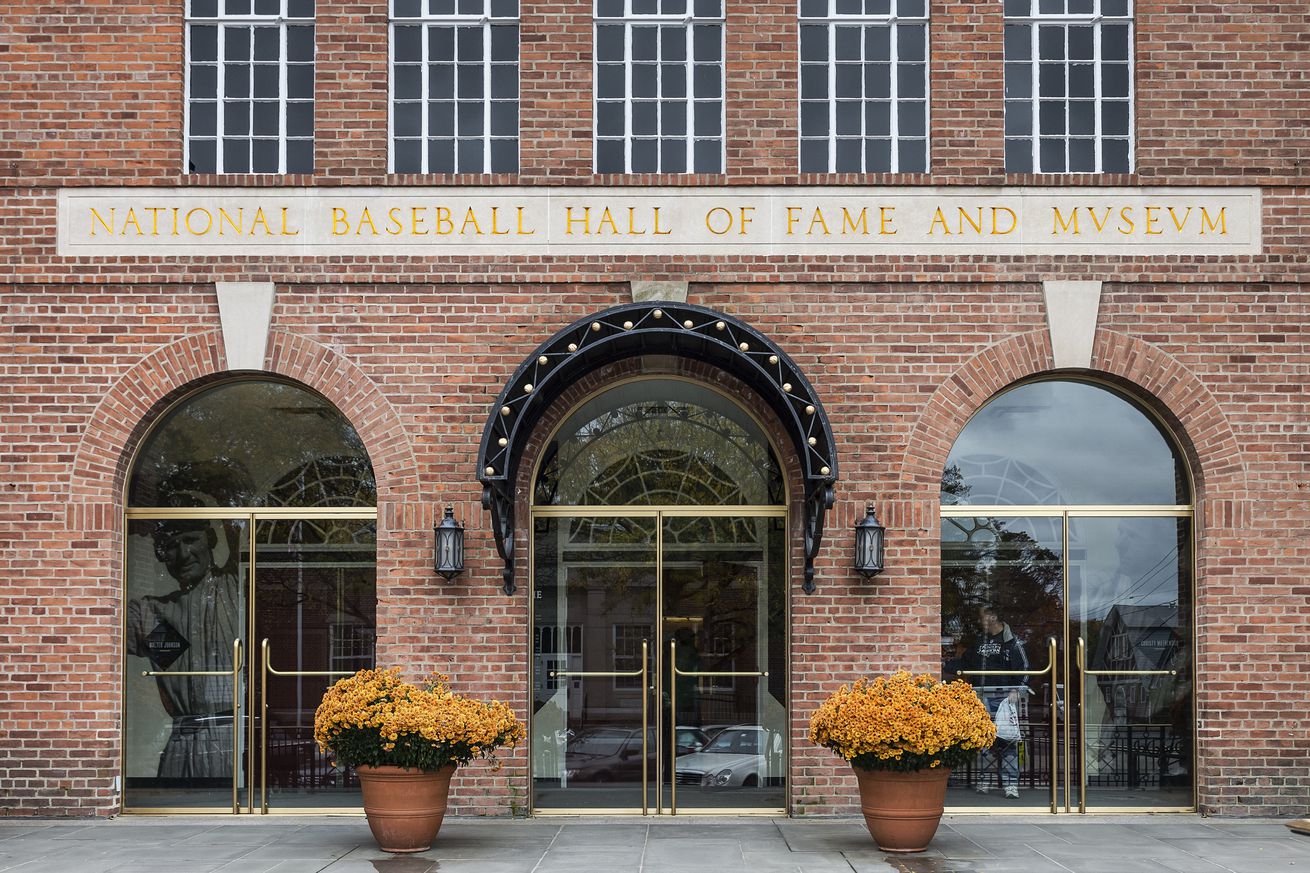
[408, 156]
[673, 118]
[1050, 43]
[504, 118]
[441, 156]
[1082, 80]
[850, 153]
[202, 158]
[645, 7]
[814, 119]
[300, 119]
[408, 82]
[204, 43]
[204, 9]
[673, 80]
[878, 44]
[1081, 44]
[814, 82]
[877, 7]
[204, 119]
[849, 78]
[236, 43]
[1114, 7]
[504, 43]
[300, 43]
[469, 81]
[708, 156]
[406, 9]
[236, 80]
[673, 7]
[236, 119]
[264, 158]
[609, 9]
[407, 119]
[814, 43]
[1018, 7]
[1082, 117]
[644, 118]
[1018, 80]
[441, 119]
[408, 45]
[300, 8]
[814, 8]
[469, 156]
[645, 80]
[1114, 80]
[1050, 7]
[1082, 7]
[441, 80]
[609, 81]
[913, 156]
[236, 156]
[609, 156]
[1018, 42]
[878, 118]
[1114, 42]
[441, 43]
[645, 156]
[1051, 80]
[708, 9]
[504, 81]
[609, 118]
[877, 80]
[878, 156]
[1050, 117]
[1051, 153]
[913, 118]
[204, 81]
[505, 9]
[237, 7]
[268, 118]
[911, 80]
[848, 118]
[814, 156]
[471, 7]
[268, 44]
[266, 79]
[468, 43]
[910, 43]
[1018, 156]
[673, 156]
[910, 8]
[645, 43]
[1114, 156]
[1018, 118]
[708, 119]
[848, 40]
[850, 7]
[708, 81]
[707, 42]
[469, 118]
[673, 44]
[505, 156]
[1114, 118]
[300, 81]
[1082, 156]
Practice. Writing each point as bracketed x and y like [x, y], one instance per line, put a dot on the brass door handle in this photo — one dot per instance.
[235, 673]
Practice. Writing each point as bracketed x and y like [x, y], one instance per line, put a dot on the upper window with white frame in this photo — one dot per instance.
[659, 86]
[454, 86]
[250, 86]
[864, 86]
[1068, 86]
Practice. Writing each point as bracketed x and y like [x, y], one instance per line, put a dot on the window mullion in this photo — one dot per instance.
[894, 109]
[486, 95]
[1098, 126]
[220, 104]
[283, 62]
[689, 134]
[628, 132]
[832, 97]
[1035, 89]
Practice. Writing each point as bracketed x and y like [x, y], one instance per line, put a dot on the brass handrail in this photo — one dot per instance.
[263, 713]
[1051, 649]
[1083, 673]
[673, 716]
[645, 717]
[235, 673]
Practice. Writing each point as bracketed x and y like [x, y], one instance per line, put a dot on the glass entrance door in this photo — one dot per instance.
[659, 661]
[1078, 623]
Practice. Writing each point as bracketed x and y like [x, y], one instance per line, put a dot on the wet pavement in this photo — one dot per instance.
[964, 844]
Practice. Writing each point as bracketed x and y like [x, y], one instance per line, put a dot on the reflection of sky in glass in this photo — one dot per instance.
[1126, 562]
[1051, 443]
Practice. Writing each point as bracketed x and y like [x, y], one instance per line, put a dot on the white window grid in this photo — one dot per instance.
[703, 112]
[227, 131]
[1077, 144]
[482, 133]
[905, 92]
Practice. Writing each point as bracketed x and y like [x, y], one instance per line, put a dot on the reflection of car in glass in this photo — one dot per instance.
[607, 755]
[691, 739]
[740, 756]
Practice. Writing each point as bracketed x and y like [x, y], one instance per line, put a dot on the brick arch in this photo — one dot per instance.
[146, 390]
[1154, 377]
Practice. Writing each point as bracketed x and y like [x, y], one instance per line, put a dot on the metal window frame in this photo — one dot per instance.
[688, 21]
[221, 22]
[892, 21]
[425, 22]
[1095, 20]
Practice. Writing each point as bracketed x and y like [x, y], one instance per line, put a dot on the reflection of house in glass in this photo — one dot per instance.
[1137, 638]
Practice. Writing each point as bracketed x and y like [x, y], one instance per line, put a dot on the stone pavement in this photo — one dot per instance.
[964, 844]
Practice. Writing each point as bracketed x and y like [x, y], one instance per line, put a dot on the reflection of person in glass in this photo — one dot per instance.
[191, 629]
[999, 649]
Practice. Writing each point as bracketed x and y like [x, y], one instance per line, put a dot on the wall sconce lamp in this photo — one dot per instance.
[869, 545]
[448, 546]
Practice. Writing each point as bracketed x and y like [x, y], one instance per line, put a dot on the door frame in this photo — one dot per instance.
[253, 669]
[1076, 802]
[658, 513]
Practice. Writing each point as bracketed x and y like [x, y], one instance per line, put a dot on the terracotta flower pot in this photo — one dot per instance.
[404, 807]
[902, 810]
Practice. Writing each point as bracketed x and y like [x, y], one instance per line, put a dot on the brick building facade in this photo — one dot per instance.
[413, 349]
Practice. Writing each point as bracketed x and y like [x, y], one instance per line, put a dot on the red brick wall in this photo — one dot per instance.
[902, 350]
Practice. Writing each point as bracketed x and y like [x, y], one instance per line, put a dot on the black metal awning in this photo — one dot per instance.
[655, 328]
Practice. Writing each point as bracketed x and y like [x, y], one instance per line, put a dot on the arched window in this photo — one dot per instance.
[251, 551]
[1066, 577]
